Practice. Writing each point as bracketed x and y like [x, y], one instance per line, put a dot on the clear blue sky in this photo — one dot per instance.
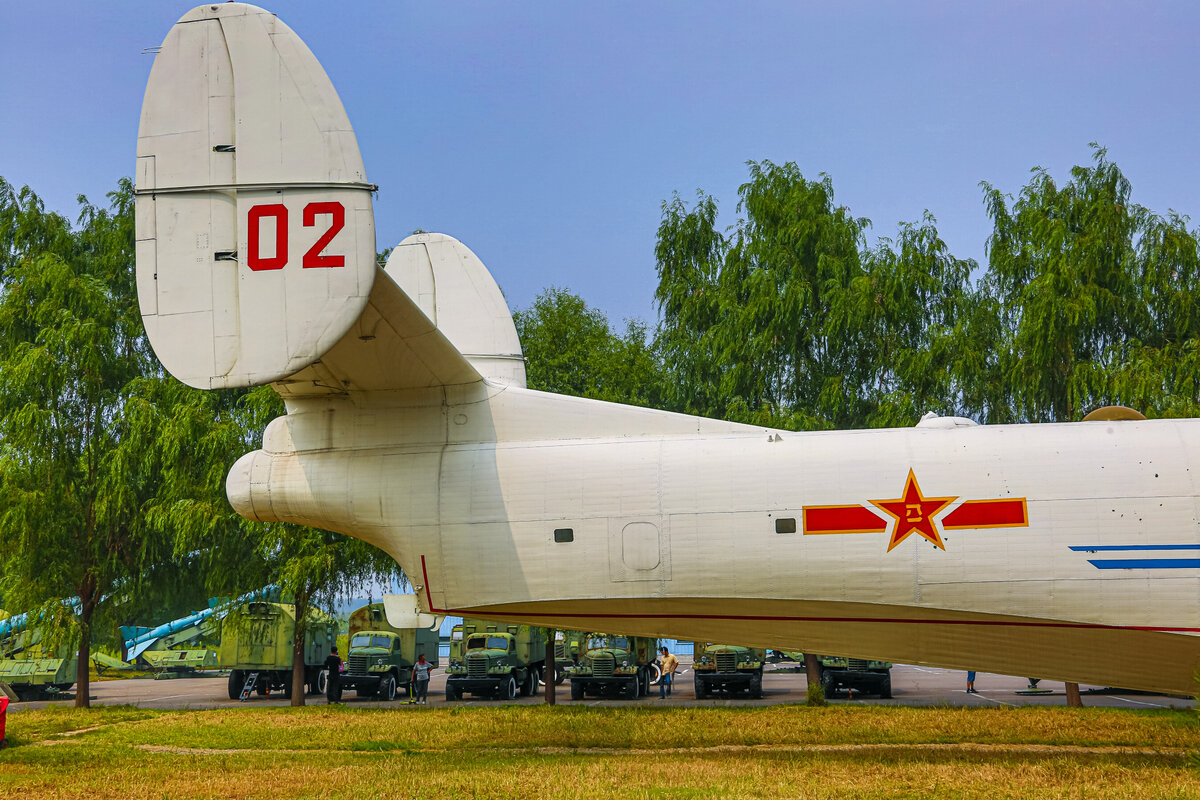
[546, 135]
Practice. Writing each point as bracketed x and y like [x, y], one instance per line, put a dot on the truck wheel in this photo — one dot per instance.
[701, 688]
[885, 687]
[756, 686]
[560, 675]
[655, 674]
[322, 681]
[530, 687]
[236, 681]
[510, 688]
[333, 691]
[635, 687]
[387, 688]
[827, 683]
[576, 690]
[452, 693]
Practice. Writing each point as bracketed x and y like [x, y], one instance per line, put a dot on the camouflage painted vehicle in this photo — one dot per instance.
[727, 668]
[870, 677]
[498, 661]
[179, 660]
[614, 665]
[567, 648]
[256, 647]
[33, 668]
[34, 673]
[380, 658]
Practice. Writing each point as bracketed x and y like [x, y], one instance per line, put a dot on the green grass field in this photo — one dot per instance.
[537, 752]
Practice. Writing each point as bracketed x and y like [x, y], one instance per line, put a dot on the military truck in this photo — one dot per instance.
[497, 661]
[256, 647]
[456, 644]
[613, 665]
[727, 668]
[381, 657]
[567, 648]
[870, 677]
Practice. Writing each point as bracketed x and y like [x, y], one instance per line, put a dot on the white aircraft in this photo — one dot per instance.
[1065, 551]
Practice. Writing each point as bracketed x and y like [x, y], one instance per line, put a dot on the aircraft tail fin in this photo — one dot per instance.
[456, 292]
[255, 232]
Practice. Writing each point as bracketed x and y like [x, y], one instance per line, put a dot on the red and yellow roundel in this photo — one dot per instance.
[913, 512]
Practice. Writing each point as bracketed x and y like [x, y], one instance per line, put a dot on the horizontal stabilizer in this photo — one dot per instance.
[392, 346]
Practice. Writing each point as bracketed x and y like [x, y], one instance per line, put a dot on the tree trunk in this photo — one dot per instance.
[812, 670]
[550, 667]
[300, 633]
[83, 673]
[1073, 698]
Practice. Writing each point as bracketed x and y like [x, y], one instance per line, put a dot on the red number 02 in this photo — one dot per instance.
[313, 257]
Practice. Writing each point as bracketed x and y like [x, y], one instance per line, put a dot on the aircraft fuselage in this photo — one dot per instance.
[1062, 551]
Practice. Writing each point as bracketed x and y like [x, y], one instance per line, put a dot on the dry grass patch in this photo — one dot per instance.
[337, 752]
[408, 728]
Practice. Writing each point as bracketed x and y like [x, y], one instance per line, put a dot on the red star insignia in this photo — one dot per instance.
[914, 513]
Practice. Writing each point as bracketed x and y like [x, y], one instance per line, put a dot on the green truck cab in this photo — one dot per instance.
[870, 677]
[256, 648]
[496, 661]
[379, 661]
[613, 665]
[727, 668]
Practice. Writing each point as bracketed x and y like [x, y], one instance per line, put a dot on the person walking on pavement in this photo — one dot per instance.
[669, 664]
[421, 672]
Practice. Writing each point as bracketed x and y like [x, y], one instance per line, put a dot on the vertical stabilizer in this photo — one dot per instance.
[455, 290]
[256, 240]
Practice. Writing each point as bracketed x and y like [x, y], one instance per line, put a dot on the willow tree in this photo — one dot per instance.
[1062, 267]
[69, 345]
[789, 320]
[111, 473]
[570, 348]
[911, 317]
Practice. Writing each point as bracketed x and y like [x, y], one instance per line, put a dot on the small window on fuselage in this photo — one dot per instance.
[785, 525]
[564, 535]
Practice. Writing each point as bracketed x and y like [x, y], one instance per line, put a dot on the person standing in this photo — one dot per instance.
[421, 672]
[333, 667]
[971, 682]
[669, 664]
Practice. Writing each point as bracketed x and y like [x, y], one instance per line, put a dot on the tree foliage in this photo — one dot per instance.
[70, 485]
[1096, 298]
[788, 319]
[112, 474]
[571, 349]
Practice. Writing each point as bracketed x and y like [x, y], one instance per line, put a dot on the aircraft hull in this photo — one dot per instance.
[1085, 569]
